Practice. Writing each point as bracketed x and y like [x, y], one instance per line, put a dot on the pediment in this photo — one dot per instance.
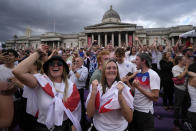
[109, 25]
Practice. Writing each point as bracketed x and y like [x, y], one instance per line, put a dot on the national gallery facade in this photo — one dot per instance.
[110, 30]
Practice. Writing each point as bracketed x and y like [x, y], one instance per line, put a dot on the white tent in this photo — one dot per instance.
[0, 45]
[191, 33]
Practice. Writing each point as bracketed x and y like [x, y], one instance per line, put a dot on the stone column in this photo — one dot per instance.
[119, 39]
[99, 39]
[172, 41]
[113, 39]
[133, 38]
[144, 41]
[86, 39]
[58, 44]
[106, 39]
[126, 39]
[79, 44]
[92, 38]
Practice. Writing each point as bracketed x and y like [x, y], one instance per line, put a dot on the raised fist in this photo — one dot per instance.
[120, 87]
[95, 85]
[136, 83]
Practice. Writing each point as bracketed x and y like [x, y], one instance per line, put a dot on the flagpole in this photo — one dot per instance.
[54, 24]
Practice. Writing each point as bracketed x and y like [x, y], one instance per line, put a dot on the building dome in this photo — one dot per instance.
[111, 16]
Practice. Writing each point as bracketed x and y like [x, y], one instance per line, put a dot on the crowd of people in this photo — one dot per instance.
[46, 88]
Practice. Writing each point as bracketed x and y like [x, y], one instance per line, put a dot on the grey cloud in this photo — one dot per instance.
[160, 11]
[72, 15]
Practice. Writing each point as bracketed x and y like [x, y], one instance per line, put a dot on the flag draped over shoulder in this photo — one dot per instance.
[57, 109]
[109, 101]
[31, 95]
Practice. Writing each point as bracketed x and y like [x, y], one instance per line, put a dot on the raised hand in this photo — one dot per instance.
[125, 79]
[136, 83]
[94, 86]
[136, 38]
[54, 52]
[2, 57]
[9, 88]
[43, 48]
[120, 87]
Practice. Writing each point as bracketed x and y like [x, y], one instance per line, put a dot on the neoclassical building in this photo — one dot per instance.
[110, 30]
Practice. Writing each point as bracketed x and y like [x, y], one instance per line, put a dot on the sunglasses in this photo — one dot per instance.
[58, 63]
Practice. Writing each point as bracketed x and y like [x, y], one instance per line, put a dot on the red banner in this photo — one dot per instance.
[130, 42]
[89, 41]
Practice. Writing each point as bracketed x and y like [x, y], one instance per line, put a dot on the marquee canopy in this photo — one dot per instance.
[191, 33]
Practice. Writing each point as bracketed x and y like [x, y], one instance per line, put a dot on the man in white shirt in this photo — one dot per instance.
[147, 86]
[79, 75]
[124, 66]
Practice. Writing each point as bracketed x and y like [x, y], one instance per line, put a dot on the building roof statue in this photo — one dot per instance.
[111, 16]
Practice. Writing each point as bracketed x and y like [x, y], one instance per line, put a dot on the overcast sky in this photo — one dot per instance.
[71, 16]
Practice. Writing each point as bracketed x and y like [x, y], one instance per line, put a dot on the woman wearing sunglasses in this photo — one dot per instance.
[110, 103]
[58, 100]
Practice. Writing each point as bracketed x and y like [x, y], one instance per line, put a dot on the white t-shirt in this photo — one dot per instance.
[159, 57]
[127, 54]
[130, 58]
[148, 81]
[154, 56]
[112, 120]
[5, 72]
[125, 68]
[192, 93]
[177, 70]
[44, 101]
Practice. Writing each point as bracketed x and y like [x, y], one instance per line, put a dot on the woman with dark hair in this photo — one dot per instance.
[179, 72]
[58, 100]
[166, 75]
[132, 55]
[110, 103]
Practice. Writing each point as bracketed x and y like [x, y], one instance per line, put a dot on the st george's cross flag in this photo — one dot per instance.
[109, 101]
[55, 114]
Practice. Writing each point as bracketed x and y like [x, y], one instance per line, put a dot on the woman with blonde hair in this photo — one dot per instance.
[110, 103]
[58, 100]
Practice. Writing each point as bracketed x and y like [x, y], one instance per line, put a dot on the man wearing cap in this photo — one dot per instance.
[147, 86]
